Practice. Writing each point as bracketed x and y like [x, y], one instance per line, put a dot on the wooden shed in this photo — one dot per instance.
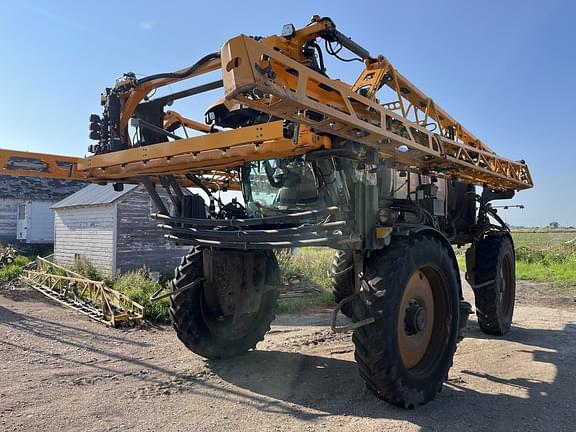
[25, 202]
[112, 230]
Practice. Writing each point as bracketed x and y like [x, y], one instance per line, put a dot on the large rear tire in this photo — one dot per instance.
[494, 284]
[205, 332]
[413, 294]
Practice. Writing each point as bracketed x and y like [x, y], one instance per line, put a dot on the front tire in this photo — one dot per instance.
[494, 284]
[412, 292]
[203, 331]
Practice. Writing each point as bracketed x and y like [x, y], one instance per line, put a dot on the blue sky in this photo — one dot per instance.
[504, 69]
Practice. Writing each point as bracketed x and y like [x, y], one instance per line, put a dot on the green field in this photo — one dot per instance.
[544, 239]
[546, 255]
[543, 255]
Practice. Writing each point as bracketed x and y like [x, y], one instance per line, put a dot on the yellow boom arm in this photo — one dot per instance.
[273, 75]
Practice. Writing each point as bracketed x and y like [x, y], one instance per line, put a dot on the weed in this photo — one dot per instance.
[139, 287]
[13, 270]
[311, 267]
[84, 267]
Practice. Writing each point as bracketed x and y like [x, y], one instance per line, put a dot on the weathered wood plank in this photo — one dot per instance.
[85, 232]
[146, 245]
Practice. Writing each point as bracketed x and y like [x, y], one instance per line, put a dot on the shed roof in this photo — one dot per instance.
[94, 194]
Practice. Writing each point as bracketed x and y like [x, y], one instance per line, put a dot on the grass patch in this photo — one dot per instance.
[84, 267]
[546, 256]
[13, 270]
[138, 286]
[311, 268]
[312, 264]
[297, 305]
[546, 270]
[544, 240]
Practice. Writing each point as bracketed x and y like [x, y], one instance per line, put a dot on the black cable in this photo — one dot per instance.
[183, 74]
[195, 180]
[492, 212]
[331, 49]
[334, 53]
[320, 56]
[348, 60]
[270, 176]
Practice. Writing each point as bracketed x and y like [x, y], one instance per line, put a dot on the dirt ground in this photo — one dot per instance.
[60, 371]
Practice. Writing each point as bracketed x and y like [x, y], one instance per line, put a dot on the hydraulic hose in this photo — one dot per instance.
[181, 74]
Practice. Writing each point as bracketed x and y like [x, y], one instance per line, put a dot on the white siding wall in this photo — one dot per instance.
[40, 222]
[85, 232]
[39, 217]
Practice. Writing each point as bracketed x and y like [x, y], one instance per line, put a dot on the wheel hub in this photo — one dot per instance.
[416, 318]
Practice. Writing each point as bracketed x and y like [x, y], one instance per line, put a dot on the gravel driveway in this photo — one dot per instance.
[60, 371]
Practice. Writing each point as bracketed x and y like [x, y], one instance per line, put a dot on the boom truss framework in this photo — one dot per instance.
[269, 75]
[92, 298]
[298, 93]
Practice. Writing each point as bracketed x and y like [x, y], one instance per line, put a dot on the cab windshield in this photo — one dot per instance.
[280, 185]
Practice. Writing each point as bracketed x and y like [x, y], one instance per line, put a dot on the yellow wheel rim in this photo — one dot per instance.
[415, 319]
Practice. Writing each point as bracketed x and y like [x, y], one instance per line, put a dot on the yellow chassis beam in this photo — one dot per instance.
[212, 153]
